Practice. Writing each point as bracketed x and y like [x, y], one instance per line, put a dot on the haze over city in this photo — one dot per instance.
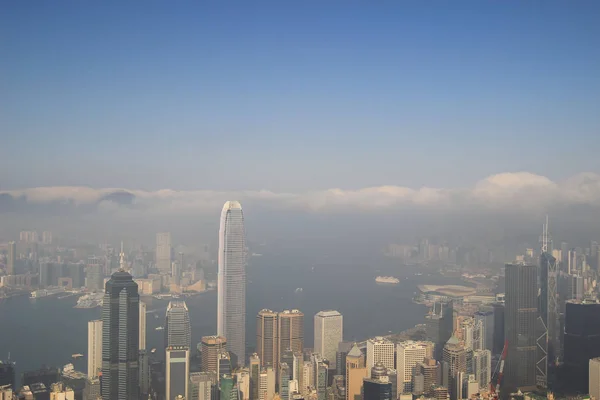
[413, 175]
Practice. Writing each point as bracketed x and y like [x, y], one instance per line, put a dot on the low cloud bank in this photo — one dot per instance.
[521, 191]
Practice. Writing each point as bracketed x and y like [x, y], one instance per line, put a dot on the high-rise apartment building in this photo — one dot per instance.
[408, 355]
[380, 350]
[210, 347]
[356, 371]
[94, 348]
[142, 328]
[267, 340]
[329, 332]
[120, 336]
[178, 331]
[177, 365]
[11, 258]
[163, 252]
[291, 331]
[231, 302]
[521, 311]
[482, 367]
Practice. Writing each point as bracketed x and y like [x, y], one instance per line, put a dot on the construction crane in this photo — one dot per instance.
[499, 371]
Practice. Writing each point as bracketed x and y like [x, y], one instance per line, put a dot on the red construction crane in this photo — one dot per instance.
[494, 390]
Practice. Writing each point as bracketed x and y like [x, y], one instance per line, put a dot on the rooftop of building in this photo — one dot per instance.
[328, 313]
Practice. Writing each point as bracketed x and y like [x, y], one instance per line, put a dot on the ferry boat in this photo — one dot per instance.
[76, 356]
[389, 280]
[153, 350]
[159, 328]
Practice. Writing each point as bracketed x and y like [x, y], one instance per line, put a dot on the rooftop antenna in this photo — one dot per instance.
[545, 237]
[122, 261]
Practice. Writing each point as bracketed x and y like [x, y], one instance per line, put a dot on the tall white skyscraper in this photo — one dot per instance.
[231, 303]
[329, 332]
[94, 347]
[163, 252]
[380, 350]
[142, 325]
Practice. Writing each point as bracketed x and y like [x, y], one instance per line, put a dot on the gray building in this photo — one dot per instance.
[520, 315]
[202, 386]
[548, 341]
[487, 319]
[177, 327]
[120, 336]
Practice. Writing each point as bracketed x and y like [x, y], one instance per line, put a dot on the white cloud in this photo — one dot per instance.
[521, 190]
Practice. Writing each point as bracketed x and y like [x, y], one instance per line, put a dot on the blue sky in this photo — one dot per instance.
[296, 95]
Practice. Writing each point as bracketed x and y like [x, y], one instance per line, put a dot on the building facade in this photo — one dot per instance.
[210, 347]
[177, 365]
[120, 336]
[231, 302]
[178, 331]
[267, 340]
[329, 332]
[291, 331]
[163, 252]
[520, 315]
[94, 355]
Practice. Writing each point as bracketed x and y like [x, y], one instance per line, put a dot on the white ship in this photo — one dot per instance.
[387, 279]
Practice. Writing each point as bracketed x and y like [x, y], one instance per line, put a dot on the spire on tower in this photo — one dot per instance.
[122, 261]
[545, 239]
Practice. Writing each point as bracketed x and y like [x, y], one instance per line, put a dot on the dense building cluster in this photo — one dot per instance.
[539, 337]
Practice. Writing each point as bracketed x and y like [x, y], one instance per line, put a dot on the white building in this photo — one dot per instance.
[94, 348]
[266, 384]
[308, 376]
[142, 325]
[163, 252]
[329, 332]
[58, 391]
[408, 354]
[482, 367]
[380, 350]
[594, 375]
[243, 382]
[231, 301]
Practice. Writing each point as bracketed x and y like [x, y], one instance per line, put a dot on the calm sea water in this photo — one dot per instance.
[48, 330]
